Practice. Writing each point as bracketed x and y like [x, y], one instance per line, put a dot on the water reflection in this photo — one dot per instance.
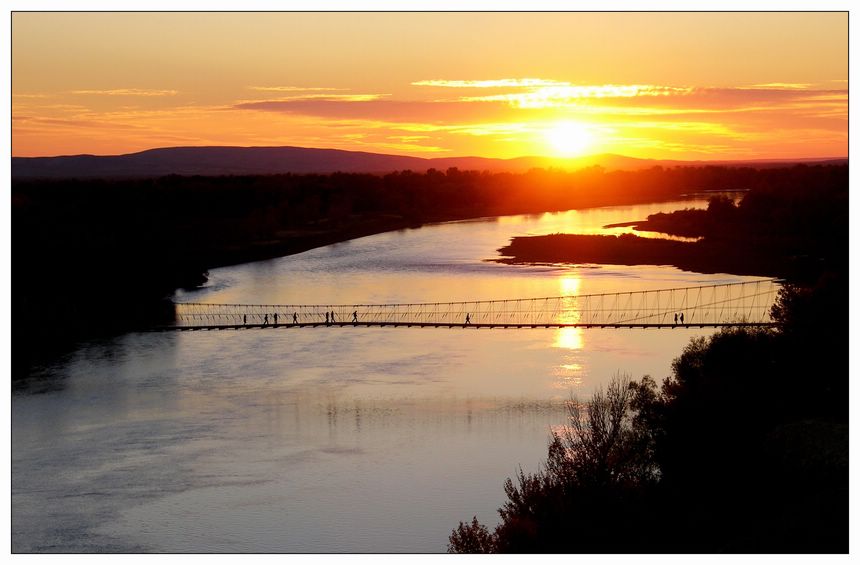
[441, 263]
[325, 440]
[569, 374]
[570, 283]
[569, 338]
[569, 377]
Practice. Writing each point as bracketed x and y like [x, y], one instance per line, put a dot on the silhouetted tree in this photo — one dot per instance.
[593, 464]
[743, 449]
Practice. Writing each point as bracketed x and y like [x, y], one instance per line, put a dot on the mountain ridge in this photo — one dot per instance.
[262, 160]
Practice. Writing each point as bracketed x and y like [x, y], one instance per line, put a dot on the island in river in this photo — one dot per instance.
[629, 249]
[797, 231]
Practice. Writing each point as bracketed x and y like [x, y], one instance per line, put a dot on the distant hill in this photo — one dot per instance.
[275, 160]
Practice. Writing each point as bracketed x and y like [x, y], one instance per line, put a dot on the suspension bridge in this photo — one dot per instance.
[719, 305]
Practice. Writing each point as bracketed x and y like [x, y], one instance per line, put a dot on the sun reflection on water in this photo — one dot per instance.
[569, 338]
[569, 374]
[570, 283]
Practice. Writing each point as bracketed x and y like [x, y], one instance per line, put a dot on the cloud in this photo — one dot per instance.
[381, 109]
[496, 83]
[127, 92]
[74, 123]
[310, 93]
[555, 96]
[595, 102]
[709, 128]
[295, 88]
[407, 138]
[532, 94]
[332, 97]
[659, 98]
[783, 85]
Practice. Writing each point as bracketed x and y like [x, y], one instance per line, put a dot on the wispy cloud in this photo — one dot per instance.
[473, 129]
[408, 138]
[127, 92]
[295, 88]
[74, 124]
[597, 102]
[620, 99]
[495, 83]
[553, 89]
[783, 85]
[379, 109]
[555, 96]
[255, 104]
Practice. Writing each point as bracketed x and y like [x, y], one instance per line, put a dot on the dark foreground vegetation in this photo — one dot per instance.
[94, 256]
[743, 449]
[795, 227]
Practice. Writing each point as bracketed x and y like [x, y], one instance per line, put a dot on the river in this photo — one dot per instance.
[325, 439]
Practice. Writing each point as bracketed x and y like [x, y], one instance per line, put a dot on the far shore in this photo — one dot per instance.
[296, 241]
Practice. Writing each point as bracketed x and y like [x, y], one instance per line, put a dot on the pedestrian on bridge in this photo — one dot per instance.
[276, 318]
[266, 320]
[244, 319]
[468, 319]
[295, 319]
[326, 318]
[676, 318]
[355, 316]
[332, 316]
[682, 318]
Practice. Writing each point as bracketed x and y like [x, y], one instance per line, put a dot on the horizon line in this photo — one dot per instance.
[547, 157]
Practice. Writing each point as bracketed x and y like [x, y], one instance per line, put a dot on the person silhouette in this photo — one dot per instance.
[468, 319]
[276, 318]
[295, 318]
[326, 318]
[244, 319]
[266, 320]
[676, 318]
[682, 318]
[332, 316]
[355, 316]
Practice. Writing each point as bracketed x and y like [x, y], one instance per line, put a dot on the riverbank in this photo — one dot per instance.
[114, 297]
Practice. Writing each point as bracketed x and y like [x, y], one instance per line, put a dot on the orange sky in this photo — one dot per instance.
[659, 85]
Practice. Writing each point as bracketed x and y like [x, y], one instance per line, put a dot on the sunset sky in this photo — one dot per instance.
[655, 85]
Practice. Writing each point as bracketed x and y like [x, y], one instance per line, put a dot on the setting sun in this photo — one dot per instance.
[569, 139]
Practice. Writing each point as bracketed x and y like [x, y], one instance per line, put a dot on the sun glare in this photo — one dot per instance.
[569, 139]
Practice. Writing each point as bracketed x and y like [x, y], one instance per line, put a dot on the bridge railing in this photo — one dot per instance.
[745, 302]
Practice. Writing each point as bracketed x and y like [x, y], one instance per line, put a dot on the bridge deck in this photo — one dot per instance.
[463, 326]
[711, 306]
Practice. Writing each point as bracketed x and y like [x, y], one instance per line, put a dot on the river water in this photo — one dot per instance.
[325, 439]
